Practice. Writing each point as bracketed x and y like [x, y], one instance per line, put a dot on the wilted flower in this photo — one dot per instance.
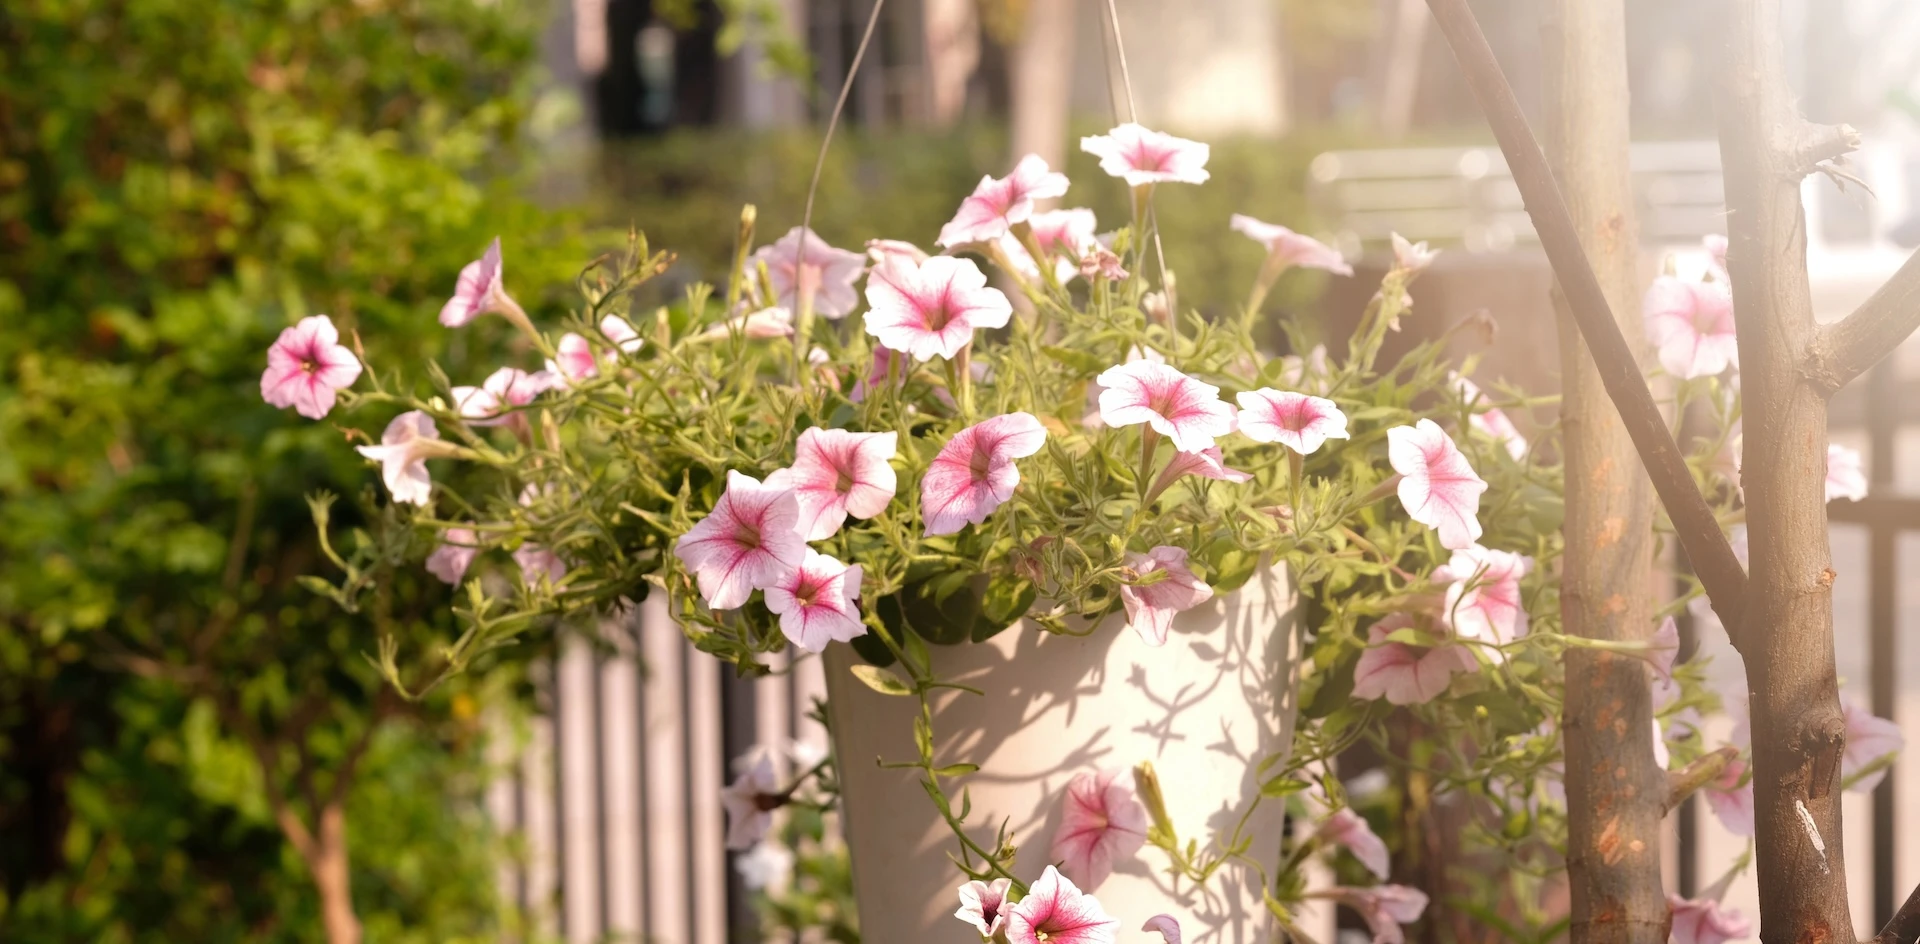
[306, 366]
[885, 360]
[1869, 738]
[1351, 830]
[1187, 411]
[750, 801]
[998, 203]
[1100, 824]
[815, 602]
[1730, 797]
[984, 905]
[1168, 927]
[1491, 421]
[1298, 421]
[762, 325]
[406, 445]
[932, 309]
[450, 560]
[1703, 921]
[1691, 324]
[537, 561]
[1384, 907]
[802, 264]
[1056, 911]
[1846, 476]
[1484, 600]
[1099, 262]
[1208, 464]
[1404, 673]
[1140, 156]
[1151, 606]
[975, 472]
[1288, 249]
[747, 542]
[1438, 486]
[836, 473]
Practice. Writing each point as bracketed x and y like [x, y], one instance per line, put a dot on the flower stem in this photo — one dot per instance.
[1149, 444]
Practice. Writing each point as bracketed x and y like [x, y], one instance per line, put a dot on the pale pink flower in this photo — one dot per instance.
[1411, 257]
[836, 473]
[1064, 232]
[1664, 649]
[1384, 907]
[1846, 476]
[306, 365]
[479, 290]
[1350, 829]
[1491, 422]
[975, 472]
[1309, 373]
[801, 263]
[1716, 247]
[1301, 422]
[767, 865]
[763, 325]
[1292, 249]
[1403, 673]
[1151, 607]
[1187, 411]
[815, 602]
[883, 251]
[450, 560]
[1730, 796]
[619, 331]
[1484, 601]
[1703, 921]
[885, 361]
[1140, 156]
[1101, 824]
[537, 561]
[1437, 485]
[1869, 738]
[750, 801]
[984, 905]
[1099, 262]
[572, 360]
[747, 542]
[406, 445]
[1056, 911]
[1168, 927]
[504, 388]
[1208, 464]
[932, 309]
[998, 203]
[1021, 261]
[1691, 323]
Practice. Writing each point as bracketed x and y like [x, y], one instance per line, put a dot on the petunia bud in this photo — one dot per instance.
[1146, 785]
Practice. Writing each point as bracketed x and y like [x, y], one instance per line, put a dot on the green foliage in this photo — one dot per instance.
[180, 180]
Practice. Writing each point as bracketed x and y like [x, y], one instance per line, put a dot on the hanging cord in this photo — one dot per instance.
[1150, 219]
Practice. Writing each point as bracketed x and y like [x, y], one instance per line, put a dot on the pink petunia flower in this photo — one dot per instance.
[306, 365]
[750, 801]
[1168, 927]
[1187, 411]
[1099, 262]
[1691, 323]
[1101, 825]
[1151, 606]
[883, 251]
[885, 361]
[1141, 156]
[1411, 257]
[504, 388]
[621, 332]
[815, 602]
[1350, 829]
[1384, 907]
[1056, 911]
[1716, 247]
[998, 203]
[1406, 674]
[1208, 464]
[1703, 921]
[763, 325]
[1438, 486]
[1869, 738]
[1309, 373]
[1298, 421]
[1846, 476]
[1021, 261]
[975, 472]
[537, 561]
[572, 360]
[406, 445]
[836, 473]
[1730, 796]
[450, 560]
[932, 309]
[802, 264]
[984, 905]
[747, 542]
[1491, 422]
[1290, 249]
[1064, 232]
[1484, 600]
[480, 290]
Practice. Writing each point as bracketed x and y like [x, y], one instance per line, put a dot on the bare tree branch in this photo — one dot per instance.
[1693, 521]
[1905, 926]
[1811, 145]
[1688, 780]
[1847, 349]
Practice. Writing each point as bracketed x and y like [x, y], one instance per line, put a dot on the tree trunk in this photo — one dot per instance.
[1786, 636]
[1616, 794]
[327, 861]
[1043, 80]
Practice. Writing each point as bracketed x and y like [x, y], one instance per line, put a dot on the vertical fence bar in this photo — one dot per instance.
[620, 773]
[669, 875]
[706, 774]
[577, 794]
[1882, 585]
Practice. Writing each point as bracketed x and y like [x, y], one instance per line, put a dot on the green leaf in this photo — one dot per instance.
[881, 680]
[956, 770]
[1282, 786]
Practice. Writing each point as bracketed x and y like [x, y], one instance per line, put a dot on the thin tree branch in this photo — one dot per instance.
[1905, 926]
[1688, 780]
[1693, 521]
[1812, 145]
[1849, 348]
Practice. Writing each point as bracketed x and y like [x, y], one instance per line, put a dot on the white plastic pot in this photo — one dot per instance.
[1204, 708]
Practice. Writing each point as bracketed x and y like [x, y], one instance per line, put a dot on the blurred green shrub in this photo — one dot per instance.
[179, 180]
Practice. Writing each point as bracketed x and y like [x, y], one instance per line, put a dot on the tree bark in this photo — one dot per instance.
[1616, 794]
[327, 861]
[1043, 78]
[1786, 638]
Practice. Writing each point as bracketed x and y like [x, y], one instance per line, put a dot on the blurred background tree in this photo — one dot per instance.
[180, 180]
